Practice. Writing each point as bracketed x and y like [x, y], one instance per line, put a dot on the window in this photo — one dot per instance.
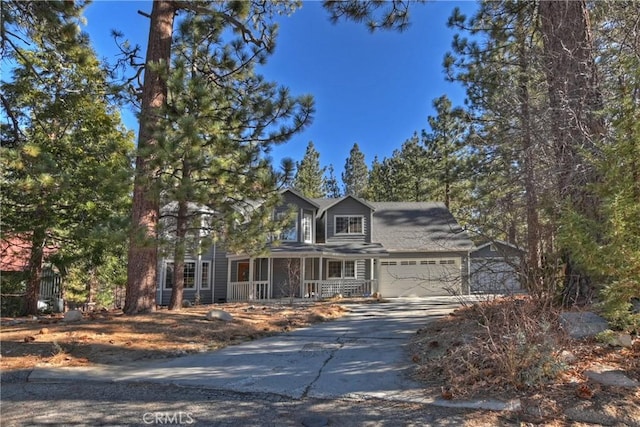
[189, 275]
[335, 270]
[407, 263]
[350, 269]
[428, 262]
[388, 263]
[447, 261]
[341, 269]
[307, 227]
[205, 274]
[348, 224]
[290, 231]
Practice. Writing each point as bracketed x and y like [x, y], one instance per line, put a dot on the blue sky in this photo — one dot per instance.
[373, 89]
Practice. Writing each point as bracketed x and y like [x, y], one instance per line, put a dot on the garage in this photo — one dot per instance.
[419, 277]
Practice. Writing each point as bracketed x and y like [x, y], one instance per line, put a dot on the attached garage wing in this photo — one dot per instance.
[419, 277]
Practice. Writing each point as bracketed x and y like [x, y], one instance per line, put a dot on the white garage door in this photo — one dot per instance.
[419, 277]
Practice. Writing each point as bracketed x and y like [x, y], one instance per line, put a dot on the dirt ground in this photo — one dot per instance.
[105, 337]
[443, 350]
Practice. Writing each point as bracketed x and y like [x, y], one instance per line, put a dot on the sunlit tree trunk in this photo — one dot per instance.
[142, 264]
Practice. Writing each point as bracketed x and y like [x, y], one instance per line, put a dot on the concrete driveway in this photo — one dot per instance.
[360, 355]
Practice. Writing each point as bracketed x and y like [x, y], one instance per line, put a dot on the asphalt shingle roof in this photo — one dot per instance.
[417, 227]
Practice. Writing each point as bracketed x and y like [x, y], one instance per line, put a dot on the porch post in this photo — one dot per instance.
[302, 272]
[229, 287]
[251, 284]
[270, 276]
[377, 268]
[318, 289]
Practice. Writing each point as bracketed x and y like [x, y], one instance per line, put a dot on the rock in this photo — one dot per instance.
[567, 357]
[609, 376]
[186, 303]
[44, 331]
[621, 340]
[72, 316]
[582, 324]
[219, 315]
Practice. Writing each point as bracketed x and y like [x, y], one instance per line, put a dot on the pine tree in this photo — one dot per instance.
[309, 179]
[65, 172]
[331, 186]
[356, 174]
[252, 27]
[219, 122]
[446, 163]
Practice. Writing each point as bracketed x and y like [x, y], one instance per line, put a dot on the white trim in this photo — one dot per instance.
[335, 225]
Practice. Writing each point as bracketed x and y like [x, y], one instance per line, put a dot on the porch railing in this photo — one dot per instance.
[329, 288]
[246, 291]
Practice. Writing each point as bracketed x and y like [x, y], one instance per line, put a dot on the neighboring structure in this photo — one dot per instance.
[496, 268]
[341, 246]
[14, 261]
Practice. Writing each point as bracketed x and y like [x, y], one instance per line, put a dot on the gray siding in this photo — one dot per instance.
[217, 285]
[220, 275]
[348, 206]
[292, 201]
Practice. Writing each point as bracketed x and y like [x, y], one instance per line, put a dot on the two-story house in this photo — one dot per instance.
[341, 246]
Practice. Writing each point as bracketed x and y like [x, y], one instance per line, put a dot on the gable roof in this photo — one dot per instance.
[301, 196]
[501, 249]
[326, 204]
[417, 227]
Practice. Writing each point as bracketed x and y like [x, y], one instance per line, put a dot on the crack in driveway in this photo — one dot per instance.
[335, 348]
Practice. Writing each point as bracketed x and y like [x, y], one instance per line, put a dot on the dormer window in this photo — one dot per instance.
[307, 227]
[346, 224]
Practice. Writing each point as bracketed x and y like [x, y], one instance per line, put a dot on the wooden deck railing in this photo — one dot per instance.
[328, 288]
[248, 291]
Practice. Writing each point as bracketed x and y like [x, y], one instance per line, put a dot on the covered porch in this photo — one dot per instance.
[305, 271]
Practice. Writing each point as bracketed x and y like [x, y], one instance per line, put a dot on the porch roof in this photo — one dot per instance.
[354, 250]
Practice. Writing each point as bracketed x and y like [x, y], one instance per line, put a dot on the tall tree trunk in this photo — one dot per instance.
[573, 98]
[178, 256]
[35, 271]
[143, 259]
[530, 158]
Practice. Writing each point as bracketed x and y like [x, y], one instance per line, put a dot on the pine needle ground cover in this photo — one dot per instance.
[110, 337]
[508, 348]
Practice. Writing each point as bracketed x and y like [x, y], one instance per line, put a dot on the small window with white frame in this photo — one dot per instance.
[347, 224]
[205, 275]
[189, 275]
[190, 282]
[341, 269]
[307, 227]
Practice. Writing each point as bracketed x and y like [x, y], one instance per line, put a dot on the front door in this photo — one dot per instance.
[243, 271]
